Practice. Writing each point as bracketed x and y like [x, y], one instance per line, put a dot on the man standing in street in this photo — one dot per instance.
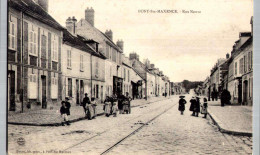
[128, 98]
[225, 97]
[85, 102]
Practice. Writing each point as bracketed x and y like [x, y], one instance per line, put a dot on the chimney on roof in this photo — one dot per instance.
[109, 34]
[71, 25]
[89, 15]
[227, 56]
[152, 66]
[133, 56]
[120, 44]
[44, 4]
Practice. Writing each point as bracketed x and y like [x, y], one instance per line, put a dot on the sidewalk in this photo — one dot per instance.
[52, 117]
[232, 119]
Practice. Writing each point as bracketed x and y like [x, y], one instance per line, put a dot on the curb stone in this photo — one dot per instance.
[73, 120]
[220, 125]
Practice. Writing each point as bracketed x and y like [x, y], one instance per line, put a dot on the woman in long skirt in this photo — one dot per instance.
[115, 108]
[107, 106]
[192, 105]
[90, 111]
[94, 105]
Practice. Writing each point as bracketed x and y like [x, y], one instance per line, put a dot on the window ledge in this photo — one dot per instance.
[81, 70]
[69, 68]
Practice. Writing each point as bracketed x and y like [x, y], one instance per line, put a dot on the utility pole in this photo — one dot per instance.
[146, 94]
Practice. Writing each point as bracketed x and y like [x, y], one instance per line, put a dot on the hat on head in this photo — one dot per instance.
[182, 96]
[86, 93]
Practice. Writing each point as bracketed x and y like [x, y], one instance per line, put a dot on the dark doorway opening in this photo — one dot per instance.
[11, 90]
[44, 97]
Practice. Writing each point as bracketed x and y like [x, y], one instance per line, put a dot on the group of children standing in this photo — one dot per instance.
[111, 106]
[194, 106]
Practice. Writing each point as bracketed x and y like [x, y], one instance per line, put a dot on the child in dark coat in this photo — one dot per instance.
[63, 112]
[182, 103]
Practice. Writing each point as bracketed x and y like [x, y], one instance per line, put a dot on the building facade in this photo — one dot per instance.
[112, 52]
[34, 56]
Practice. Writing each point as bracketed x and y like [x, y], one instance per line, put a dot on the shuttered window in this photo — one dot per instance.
[97, 68]
[69, 58]
[12, 33]
[33, 40]
[54, 48]
[245, 64]
[241, 66]
[81, 63]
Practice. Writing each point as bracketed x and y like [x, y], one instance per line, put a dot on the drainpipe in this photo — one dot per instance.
[22, 50]
[91, 75]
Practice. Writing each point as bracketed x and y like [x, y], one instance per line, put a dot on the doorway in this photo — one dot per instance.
[245, 92]
[240, 92]
[11, 90]
[44, 99]
[97, 91]
[101, 93]
[77, 92]
[81, 90]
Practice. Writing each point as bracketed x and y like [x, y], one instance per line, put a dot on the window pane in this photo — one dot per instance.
[12, 42]
[9, 29]
[30, 37]
[12, 29]
[34, 48]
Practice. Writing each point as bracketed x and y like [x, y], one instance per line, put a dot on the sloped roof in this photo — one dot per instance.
[76, 42]
[110, 41]
[34, 10]
[84, 42]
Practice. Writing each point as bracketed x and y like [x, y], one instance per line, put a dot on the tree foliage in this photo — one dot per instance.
[191, 84]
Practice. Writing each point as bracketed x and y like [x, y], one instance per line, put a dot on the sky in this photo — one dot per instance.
[182, 45]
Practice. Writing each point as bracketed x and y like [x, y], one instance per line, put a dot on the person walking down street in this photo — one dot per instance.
[107, 106]
[121, 99]
[212, 96]
[85, 102]
[94, 106]
[197, 107]
[204, 108]
[65, 111]
[192, 105]
[115, 107]
[129, 99]
[182, 103]
[225, 97]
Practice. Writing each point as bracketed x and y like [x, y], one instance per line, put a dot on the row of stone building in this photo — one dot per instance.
[47, 62]
[234, 73]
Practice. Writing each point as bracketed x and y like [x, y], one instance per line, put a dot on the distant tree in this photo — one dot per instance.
[190, 84]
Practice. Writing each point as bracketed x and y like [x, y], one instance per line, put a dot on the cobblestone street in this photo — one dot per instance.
[156, 128]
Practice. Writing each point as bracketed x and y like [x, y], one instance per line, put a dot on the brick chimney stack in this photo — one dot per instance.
[133, 56]
[227, 56]
[109, 33]
[120, 44]
[89, 15]
[71, 25]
